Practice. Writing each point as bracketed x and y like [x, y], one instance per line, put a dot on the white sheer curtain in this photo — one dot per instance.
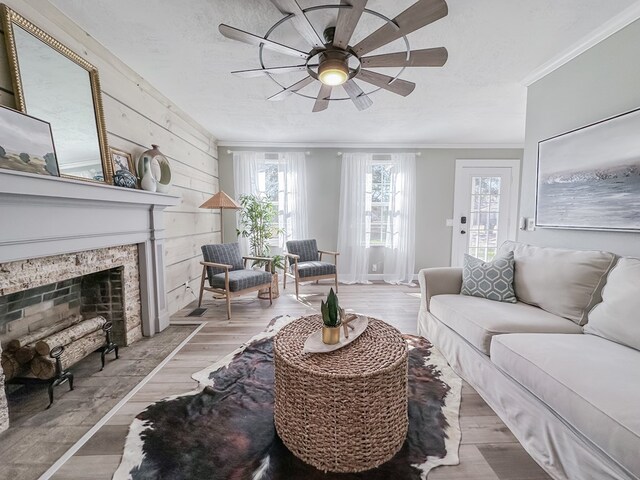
[400, 252]
[353, 220]
[245, 170]
[397, 245]
[295, 212]
[292, 188]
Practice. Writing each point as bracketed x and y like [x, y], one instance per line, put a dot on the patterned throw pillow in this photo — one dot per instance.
[492, 280]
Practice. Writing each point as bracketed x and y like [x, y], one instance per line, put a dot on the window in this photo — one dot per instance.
[485, 213]
[380, 193]
[272, 183]
[281, 177]
[376, 223]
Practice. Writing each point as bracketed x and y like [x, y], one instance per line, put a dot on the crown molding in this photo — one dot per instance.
[367, 146]
[614, 25]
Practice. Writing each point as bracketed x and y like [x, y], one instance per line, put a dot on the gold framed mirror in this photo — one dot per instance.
[54, 84]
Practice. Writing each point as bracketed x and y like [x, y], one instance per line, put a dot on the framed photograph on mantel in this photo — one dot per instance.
[589, 178]
[121, 160]
[26, 144]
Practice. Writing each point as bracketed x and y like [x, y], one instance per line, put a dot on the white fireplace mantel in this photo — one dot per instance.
[42, 216]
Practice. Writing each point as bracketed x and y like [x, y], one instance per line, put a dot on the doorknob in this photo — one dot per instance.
[463, 232]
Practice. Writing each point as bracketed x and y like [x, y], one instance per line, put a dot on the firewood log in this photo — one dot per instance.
[24, 354]
[45, 367]
[41, 333]
[10, 365]
[69, 335]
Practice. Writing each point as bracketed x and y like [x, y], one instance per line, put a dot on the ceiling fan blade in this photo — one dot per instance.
[429, 57]
[357, 96]
[348, 19]
[282, 94]
[401, 87]
[324, 97]
[251, 39]
[258, 72]
[421, 13]
[300, 21]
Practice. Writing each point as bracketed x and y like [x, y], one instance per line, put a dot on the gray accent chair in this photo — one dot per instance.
[303, 263]
[227, 274]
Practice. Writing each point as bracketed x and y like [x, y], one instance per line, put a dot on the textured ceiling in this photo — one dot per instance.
[477, 98]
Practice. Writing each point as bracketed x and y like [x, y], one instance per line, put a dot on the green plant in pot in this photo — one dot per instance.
[331, 319]
[258, 218]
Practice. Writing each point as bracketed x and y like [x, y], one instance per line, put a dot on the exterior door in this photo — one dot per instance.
[485, 207]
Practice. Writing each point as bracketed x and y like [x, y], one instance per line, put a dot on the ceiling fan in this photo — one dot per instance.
[333, 61]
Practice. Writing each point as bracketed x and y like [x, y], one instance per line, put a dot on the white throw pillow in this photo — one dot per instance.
[564, 282]
[617, 318]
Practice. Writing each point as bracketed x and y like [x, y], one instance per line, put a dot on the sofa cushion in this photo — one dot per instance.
[617, 318]
[592, 383]
[564, 282]
[477, 319]
[312, 269]
[241, 279]
[492, 280]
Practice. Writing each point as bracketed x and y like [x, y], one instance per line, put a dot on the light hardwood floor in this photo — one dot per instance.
[488, 450]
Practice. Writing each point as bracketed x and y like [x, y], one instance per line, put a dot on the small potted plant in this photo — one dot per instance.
[331, 319]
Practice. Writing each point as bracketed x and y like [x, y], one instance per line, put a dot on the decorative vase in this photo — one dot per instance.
[160, 167]
[331, 335]
[148, 181]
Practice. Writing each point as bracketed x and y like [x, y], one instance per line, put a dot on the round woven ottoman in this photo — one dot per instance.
[343, 411]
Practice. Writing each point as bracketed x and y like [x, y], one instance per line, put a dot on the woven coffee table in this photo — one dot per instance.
[343, 411]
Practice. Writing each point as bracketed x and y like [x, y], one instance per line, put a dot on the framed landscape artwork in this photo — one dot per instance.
[589, 178]
[26, 144]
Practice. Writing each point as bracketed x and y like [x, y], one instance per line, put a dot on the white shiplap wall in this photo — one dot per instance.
[137, 115]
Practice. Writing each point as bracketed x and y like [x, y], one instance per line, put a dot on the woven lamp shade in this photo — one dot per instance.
[221, 200]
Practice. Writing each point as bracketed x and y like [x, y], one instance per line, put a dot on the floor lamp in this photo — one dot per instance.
[221, 200]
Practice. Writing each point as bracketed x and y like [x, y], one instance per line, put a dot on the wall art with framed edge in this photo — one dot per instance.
[70, 99]
[123, 168]
[589, 178]
[121, 160]
[26, 144]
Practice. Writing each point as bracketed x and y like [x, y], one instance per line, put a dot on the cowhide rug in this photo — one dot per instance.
[224, 430]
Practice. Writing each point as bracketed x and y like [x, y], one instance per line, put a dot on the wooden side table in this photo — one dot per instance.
[343, 411]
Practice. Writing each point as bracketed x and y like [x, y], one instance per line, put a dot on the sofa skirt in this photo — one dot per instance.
[557, 447]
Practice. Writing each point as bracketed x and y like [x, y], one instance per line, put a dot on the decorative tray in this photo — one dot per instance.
[314, 343]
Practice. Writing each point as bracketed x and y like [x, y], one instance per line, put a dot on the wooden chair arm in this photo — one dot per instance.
[267, 261]
[329, 253]
[260, 259]
[291, 255]
[217, 265]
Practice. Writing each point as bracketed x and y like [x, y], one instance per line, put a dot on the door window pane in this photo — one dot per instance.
[484, 216]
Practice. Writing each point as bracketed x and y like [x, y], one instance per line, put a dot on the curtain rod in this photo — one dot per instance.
[417, 154]
[229, 152]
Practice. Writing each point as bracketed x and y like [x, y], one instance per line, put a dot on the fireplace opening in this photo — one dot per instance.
[99, 293]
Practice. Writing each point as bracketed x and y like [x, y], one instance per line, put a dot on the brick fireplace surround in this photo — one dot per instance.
[49, 281]
[56, 229]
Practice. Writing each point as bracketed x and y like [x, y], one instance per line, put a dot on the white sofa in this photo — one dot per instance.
[571, 398]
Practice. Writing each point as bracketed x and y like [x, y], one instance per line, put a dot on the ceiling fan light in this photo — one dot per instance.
[333, 72]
